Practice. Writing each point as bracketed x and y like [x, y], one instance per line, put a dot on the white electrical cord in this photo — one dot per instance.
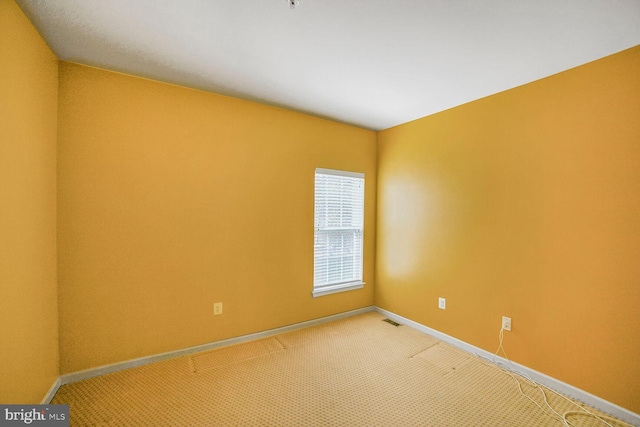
[563, 418]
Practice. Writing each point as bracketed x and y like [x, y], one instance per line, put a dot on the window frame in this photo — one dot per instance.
[358, 282]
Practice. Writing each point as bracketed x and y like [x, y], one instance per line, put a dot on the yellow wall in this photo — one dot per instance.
[28, 297]
[171, 199]
[524, 204]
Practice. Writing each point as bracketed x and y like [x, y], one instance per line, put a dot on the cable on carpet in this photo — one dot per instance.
[512, 372]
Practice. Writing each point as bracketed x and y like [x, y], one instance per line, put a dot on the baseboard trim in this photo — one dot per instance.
[552, 383]
[115, 367]
[52, 392]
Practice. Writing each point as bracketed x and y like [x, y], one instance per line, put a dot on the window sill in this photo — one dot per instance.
[343, 287]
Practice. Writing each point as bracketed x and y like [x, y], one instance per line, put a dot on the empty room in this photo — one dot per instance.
[320, 213]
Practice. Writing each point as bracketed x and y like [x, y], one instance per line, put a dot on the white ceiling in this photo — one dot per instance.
[370, 63]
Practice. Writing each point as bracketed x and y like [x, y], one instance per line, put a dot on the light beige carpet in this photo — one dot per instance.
[358, 371]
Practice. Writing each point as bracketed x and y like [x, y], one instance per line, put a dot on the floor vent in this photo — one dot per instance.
[391, 322]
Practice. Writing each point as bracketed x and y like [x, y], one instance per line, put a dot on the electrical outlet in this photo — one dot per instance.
[506, 323]
[217, 308]
[442, 303]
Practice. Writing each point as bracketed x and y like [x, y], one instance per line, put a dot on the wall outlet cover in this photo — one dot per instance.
[217, 308]
[506, 323]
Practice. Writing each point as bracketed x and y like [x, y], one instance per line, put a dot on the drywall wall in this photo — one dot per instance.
[28, 295]
[171, 199]
[524, 204]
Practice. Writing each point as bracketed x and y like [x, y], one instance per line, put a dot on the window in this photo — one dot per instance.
[338, 231]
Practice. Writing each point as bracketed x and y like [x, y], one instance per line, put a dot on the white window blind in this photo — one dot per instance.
[338, 236]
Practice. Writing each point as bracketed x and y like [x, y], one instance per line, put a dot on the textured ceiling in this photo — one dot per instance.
[370, 63]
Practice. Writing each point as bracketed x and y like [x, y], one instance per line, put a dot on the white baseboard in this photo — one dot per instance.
[52, 392]
[107, 369]
[550, 382]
